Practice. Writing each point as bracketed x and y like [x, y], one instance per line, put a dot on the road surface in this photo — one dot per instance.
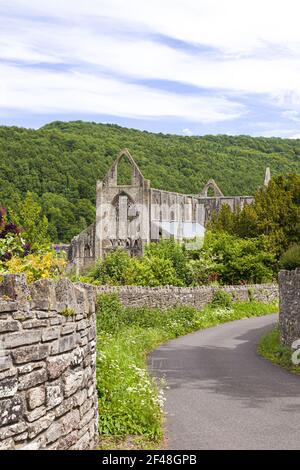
[222, 395]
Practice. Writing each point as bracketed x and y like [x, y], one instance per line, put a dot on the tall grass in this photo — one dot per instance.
[130, 401]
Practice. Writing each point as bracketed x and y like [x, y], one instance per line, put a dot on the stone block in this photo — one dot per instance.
[82, 325]
[80, 397]
[65, 295]
[15, 287]
[43, 295]
[8, 307]
[83, 443]
[21, 437]
[68, 328]
[54, 432]
[32, 379]
[5, 362]
[11, 410]
[13, 430]
[23, 338]
[7, 326]
[67, 441]
[27, 368]
[87, 418]
[50, 334]
[29, 324]
[66, 405]
[72, 382]
[57, 365]
[36, 397]
[69, 422]
[40, 425]
[30, 353]
[54, 396]
[36, 414]
[64, 344]
[8, 373]
[8, 387]
[8, 444]
[22, 315]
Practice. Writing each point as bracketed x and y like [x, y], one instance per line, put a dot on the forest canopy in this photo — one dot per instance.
[60, 163]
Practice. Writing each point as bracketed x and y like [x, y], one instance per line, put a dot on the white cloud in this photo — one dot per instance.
[292, 115]
[187, 132]
[233, 26]
[257, 52]
[41, 91]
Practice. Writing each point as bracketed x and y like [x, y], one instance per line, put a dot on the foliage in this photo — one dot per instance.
[291, 258]
[270, 348]
[113, 269]
[172, 251]
[130, 401]
[46, 162]
[118, 268]
[221, 298]
[11, 242]
[152, 271]
[26, 250]
[275, 215]
[223, 259]
[239, 260]
[35, 225]
[37, 266]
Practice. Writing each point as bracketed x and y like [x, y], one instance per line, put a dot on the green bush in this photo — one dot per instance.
[239, 260]
[113, 269]
[291, 258]
[221, 299]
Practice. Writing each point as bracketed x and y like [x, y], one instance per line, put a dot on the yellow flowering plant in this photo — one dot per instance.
[37, 266]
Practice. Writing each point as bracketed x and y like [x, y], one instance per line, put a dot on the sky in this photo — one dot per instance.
[189, 67]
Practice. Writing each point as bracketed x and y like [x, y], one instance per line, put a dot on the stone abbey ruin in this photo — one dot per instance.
[130, 216]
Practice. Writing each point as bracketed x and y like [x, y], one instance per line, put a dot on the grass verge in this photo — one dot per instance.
[270, 348]
[130, 400]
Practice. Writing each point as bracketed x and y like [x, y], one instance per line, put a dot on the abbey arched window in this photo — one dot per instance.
[124, 172]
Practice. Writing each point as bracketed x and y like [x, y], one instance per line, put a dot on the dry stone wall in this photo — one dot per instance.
[289, 313]
[198, 297]
[48, 397]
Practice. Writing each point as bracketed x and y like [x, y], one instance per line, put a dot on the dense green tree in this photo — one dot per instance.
[29, 216]
[65, 159]
[275, 214]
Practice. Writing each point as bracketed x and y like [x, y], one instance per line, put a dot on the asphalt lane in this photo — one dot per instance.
[222, 395]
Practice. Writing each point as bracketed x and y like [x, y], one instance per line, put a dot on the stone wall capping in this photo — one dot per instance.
[165, 297]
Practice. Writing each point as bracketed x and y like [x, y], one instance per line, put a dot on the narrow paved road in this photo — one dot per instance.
[222, 395]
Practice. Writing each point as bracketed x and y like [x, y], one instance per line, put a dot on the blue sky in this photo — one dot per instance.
[188, 67]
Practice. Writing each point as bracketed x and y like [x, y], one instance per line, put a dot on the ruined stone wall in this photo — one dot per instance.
[130, 216]
[81, 252]
[48, 397]
[198, 297]
[289, 313]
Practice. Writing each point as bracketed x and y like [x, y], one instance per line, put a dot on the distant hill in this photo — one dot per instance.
[62, 161]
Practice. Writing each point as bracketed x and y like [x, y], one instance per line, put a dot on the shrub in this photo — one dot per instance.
[113, 269]
[37, 266]
[221, 299]
[291, 258]
[240, 260]
[154, 271]
[175, 253]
